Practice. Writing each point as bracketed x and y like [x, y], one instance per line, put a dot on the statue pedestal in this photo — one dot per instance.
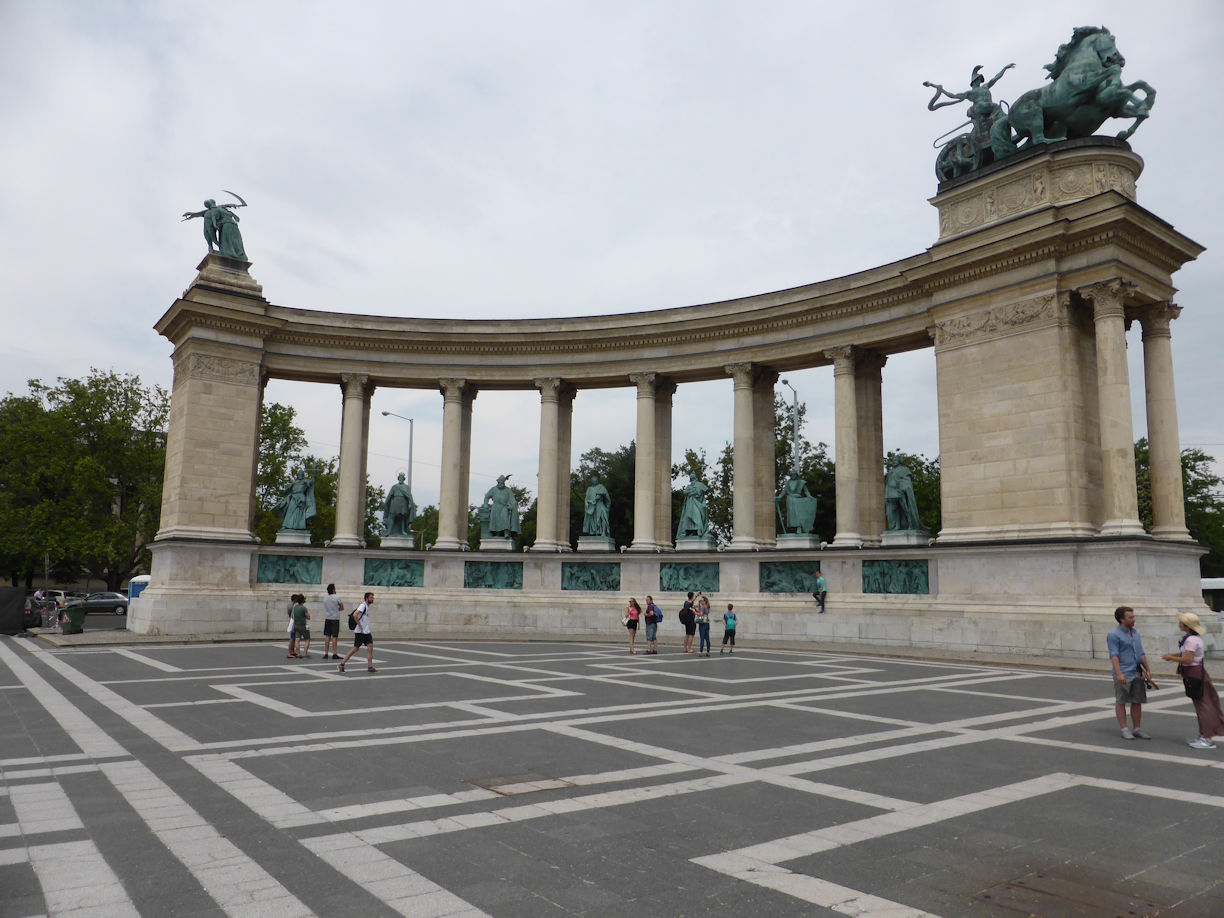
[496, 543]
[790, 540]
[398, 541]
[906, 537]
[293, 537]
[696, 543]
[595, 543]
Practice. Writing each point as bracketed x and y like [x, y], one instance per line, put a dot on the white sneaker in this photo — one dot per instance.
[1126, 733]
[1141, 734]
[1200, 743]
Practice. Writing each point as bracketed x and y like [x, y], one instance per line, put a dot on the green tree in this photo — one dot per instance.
[87, 490]
[1204, 500]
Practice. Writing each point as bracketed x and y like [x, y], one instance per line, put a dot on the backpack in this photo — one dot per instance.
[352, 622]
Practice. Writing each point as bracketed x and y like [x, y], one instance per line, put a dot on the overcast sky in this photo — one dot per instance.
[533, 159]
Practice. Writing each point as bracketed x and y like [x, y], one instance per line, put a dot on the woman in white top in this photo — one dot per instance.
[1190, 666]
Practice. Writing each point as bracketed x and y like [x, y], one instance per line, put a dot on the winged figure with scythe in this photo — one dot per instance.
[221, 227]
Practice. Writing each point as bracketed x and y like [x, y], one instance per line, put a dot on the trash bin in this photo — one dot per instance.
[75, 620]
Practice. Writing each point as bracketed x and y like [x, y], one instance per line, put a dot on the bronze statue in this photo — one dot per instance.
[800, 506]
[500, 507]
[297, 504]
[1084, 91]
[900, 505]
[221, 227]
[398, 509]
[597, 504]
[694, 515]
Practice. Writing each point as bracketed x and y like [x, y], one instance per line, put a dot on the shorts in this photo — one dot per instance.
[301, 631]
[652, 631]
[331, 628]
[690, 628]
[631, 624]
[1134, 692]
[729, 636]
[362, 640]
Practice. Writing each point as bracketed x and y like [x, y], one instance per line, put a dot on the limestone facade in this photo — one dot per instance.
[1040, 265]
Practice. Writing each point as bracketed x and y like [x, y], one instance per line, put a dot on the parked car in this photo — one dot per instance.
[38, 612]
[102, 602]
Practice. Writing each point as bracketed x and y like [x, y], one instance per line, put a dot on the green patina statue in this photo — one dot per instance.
[597, 504]
[694, 515]
[398, 510]
[221, 227]
[900, 505]
[1085, 90]
[499, 512]
[800, 506]
[297, 504]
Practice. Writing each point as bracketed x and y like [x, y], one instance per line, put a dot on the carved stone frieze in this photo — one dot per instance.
[224, 369]
[991, 323]
[1030, 186]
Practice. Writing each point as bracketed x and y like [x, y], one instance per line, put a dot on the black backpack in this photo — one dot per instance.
[352, 622]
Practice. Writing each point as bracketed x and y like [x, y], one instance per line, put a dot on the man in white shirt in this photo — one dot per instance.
[362, 635]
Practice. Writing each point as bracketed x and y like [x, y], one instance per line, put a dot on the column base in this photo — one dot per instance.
[596, 543]
[1128, 528]
[1172, 533]
[551, 545]
[293, 537]
[343, 541]
[449, 543]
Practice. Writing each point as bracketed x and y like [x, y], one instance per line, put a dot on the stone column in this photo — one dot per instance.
[664, 390]
[350, 485]
[1117, 434]
[465, 460]
[845, 408]
[548, 481]
[764, 450]
[452, 501]
[867, 381]
[645, 466]
[565, 426]
[743, 495]
[1164, 448]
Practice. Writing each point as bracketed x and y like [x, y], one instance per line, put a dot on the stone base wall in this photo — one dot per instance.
[1051, 599]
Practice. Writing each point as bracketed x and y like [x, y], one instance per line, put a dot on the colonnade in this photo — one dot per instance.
[857, 384]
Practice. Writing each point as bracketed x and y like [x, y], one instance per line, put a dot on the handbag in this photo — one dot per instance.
[625, 621]
[1193, 683]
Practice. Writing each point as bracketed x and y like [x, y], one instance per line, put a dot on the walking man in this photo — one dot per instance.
[822, 590]
[1130, 666]
[332, 607]
[362, 635]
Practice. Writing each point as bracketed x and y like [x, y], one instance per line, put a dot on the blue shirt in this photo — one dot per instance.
[1126, 646]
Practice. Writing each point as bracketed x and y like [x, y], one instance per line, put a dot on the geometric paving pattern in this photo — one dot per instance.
[554, 779]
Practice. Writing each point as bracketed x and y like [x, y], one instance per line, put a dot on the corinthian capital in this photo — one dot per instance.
[1108, 297]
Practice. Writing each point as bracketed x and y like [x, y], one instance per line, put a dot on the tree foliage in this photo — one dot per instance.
[1204, 502]
[81, 466]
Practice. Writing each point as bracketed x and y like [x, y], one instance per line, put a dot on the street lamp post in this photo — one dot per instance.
[794, 426]
[411, 428]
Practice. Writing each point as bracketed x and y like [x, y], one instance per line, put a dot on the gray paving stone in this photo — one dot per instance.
[685, 773]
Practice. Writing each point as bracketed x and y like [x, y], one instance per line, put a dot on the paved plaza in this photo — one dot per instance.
[556, 779]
